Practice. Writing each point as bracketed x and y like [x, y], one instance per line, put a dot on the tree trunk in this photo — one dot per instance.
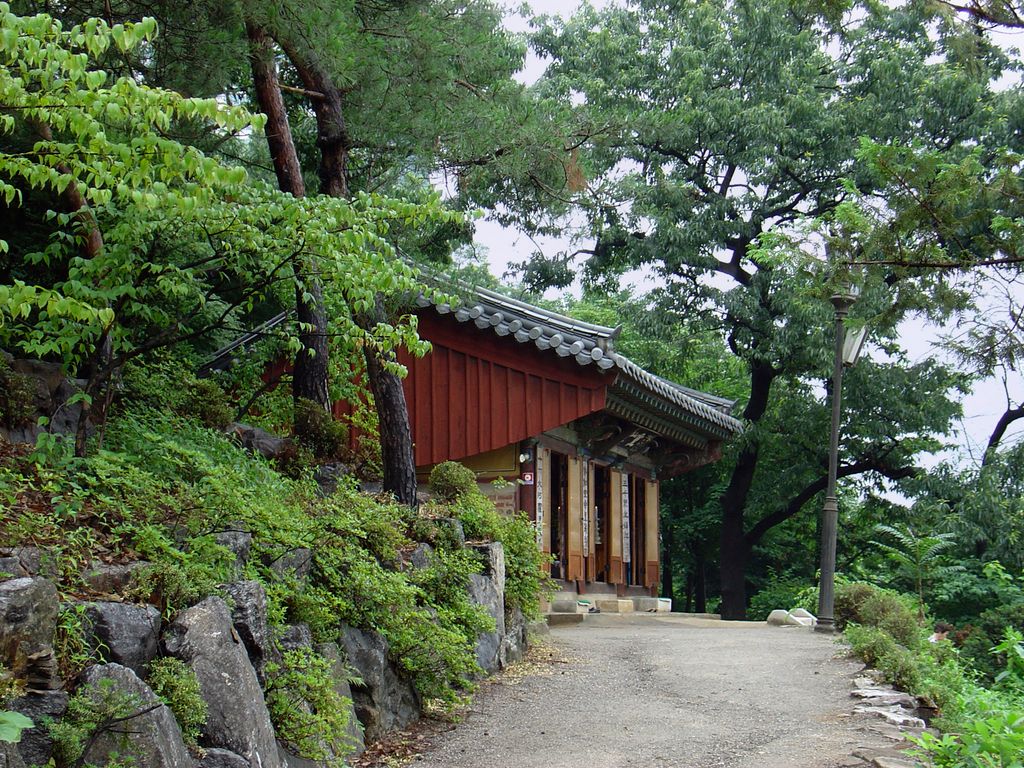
[734, 551]
[700, 585]
[395, 434]
[667, 544]
[311, 373]
[388, 395]
[689, 591]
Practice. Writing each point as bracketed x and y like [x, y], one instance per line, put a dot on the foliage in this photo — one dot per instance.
[178, 687]
[450, 480]
[306, 710]
[17, 396]
[785, 592]
[12, 725]
[319, 431]
[92, 711]
[985, 632]
[919, 556]
[71, 641]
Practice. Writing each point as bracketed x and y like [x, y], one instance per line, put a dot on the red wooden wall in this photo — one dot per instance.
[477, 391]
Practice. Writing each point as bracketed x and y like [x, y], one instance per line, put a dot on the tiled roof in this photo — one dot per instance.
[587, 344]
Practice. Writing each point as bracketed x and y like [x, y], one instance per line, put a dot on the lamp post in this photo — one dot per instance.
[842, 300]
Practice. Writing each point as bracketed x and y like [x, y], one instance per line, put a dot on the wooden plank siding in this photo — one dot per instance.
[476, 391]
[653, 539]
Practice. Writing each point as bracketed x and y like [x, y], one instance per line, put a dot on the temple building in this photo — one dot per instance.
[556, 423]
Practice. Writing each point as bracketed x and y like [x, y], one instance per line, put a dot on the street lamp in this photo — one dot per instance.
[845, 353]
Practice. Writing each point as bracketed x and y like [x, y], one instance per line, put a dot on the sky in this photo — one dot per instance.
[982, 407]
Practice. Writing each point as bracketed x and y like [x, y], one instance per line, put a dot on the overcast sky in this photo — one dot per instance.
[982, 407]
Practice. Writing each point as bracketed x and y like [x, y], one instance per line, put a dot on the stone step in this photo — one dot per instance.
[568, 606]
[652, 604]
[565, 619]
[614, 605]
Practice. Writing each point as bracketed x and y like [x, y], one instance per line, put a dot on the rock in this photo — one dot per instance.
[295, 637]
[249, 616]
[36, 745]
[112, 578]
[295, 562]
[28, 619]
[340, 674]
[123, 633]
[204, 638]
[778, 618]
[238, 541]
[494, 563]
[877, 697]
[419, 559]
[483, 592]
[894, 714]
[515, 642]
[291, 760]
[894, 762]
[153, 738]
[21, 561]
[9, 756]
[327, 476]
[222, 758]
[384, 701]
[259, 441]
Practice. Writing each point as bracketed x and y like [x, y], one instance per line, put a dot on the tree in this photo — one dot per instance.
[188, 243]
[734, 123]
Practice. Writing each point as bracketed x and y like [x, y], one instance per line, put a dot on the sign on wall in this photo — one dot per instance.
[626, 546]
[540, 499]
[585, 496]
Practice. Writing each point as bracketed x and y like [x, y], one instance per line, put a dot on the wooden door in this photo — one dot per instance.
[558, 506]
[638, 526]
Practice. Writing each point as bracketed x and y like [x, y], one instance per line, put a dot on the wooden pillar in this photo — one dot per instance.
[652, 545]
[615, 529]
[591, 517]
[574, 534]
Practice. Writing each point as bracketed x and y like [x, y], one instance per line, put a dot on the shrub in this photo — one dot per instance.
[17, 397]
[307, 712]
[782, 592]
[894, 614]
[449, 481]
[987, 633]
[318, 431]
[208, 403]
[93, 710]
[881, 651]
[849, 598]
[177, 686]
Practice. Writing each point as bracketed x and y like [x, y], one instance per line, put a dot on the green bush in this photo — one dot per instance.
[986, 634]
[307, 712]
[318, 431]
[895, 614]
[879, 650]
[177, 686]
[94, 710]
[17, 397]
[783, 592]
[849, 598]
[208, 403]
[449, 481]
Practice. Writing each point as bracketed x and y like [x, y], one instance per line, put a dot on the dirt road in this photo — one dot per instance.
[668, 691]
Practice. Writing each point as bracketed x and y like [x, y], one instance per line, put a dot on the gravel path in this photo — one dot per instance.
[668, 691]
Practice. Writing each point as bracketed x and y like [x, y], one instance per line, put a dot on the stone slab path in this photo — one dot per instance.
[652, 691]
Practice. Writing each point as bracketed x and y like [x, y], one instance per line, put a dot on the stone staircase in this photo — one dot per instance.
[566, 607]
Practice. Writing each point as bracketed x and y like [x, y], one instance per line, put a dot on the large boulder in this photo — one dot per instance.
[9, 756]
[152, 738]
[295, 563]
[222, 758]
[123, 633]
[384, 701]
[238, 541]
[204, 638]
[20, 561]
[259, 441]
[295, 637]
[112, 578]
[484, 593]
[28, 619]
[340, 675]
[36, 745]
[249, 616]
[514, 643]
[487, 590]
